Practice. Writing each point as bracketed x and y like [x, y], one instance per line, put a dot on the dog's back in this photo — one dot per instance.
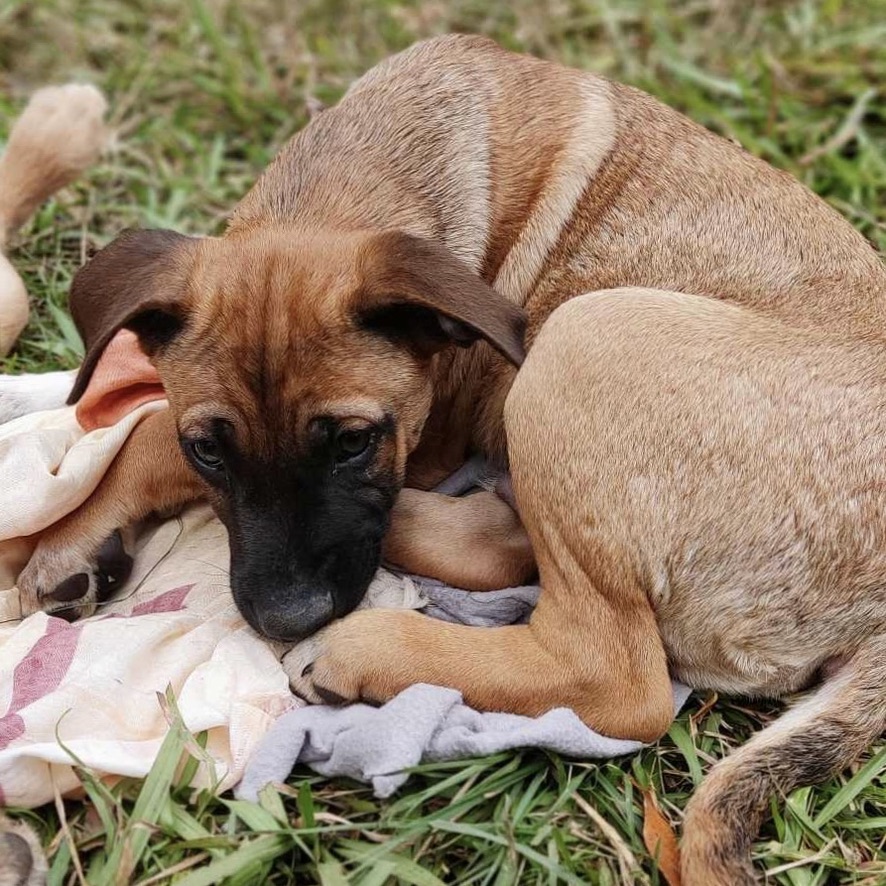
[551, 182]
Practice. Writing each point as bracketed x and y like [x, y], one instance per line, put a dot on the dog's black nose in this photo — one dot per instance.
[290, 619]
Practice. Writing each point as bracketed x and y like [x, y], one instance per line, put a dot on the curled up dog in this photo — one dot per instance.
[695, 438]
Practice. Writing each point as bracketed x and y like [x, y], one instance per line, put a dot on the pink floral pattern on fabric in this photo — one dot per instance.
[170, 601]
[40, 672]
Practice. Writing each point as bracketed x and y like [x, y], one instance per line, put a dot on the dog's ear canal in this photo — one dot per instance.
[418, 293]
[137, 282]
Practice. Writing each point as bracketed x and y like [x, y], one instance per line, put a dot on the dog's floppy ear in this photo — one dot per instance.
[419, 293]
[137, 282]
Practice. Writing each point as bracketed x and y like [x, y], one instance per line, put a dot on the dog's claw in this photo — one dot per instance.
[329, 697]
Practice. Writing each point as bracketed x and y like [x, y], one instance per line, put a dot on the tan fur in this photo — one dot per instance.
[476, 543]
[60, 133]
[699, 471]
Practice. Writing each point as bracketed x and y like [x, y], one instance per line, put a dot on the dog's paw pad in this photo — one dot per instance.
[71, 590]
[113, 565]
[68, 582]
[74, 588]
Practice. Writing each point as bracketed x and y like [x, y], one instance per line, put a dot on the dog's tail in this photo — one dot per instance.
[815, 739]
[59, 134]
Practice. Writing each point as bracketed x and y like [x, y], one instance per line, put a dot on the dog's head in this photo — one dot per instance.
[298, 368]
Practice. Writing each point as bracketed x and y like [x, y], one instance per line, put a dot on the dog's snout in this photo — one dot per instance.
[292, 574]
[290, 618]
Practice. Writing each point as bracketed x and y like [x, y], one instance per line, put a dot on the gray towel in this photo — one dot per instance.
[485, 609]
[423, 723]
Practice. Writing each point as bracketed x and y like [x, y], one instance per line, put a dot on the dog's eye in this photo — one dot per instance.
[207, 454]
[350, 444]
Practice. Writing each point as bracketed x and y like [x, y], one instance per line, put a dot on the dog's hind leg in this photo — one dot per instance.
[476, 543]
[817, 738]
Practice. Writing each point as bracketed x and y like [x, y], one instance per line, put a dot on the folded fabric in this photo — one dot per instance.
[485, 610]
[422, 724]
[90, 689]
[49, 466]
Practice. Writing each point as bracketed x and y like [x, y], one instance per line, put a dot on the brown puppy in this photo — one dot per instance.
[700, 475]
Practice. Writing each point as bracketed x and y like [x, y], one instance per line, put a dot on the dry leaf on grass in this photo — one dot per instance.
[660, 840]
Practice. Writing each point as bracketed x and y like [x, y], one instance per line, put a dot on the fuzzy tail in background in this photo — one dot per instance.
[817, 738]
[60, 134]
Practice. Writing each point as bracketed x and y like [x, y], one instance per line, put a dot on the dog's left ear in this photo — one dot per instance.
[419, 293]
[138, 282]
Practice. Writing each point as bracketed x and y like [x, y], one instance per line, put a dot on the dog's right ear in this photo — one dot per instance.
[137, 282]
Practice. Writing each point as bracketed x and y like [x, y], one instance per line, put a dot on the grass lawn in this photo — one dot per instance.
[203, 92]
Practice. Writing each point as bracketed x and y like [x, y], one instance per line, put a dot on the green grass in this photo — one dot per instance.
[203, 92]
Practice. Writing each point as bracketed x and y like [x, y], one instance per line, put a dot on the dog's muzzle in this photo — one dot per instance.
[289, 617]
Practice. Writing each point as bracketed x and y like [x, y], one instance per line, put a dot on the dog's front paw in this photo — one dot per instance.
[359, 658]
[70, 580]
